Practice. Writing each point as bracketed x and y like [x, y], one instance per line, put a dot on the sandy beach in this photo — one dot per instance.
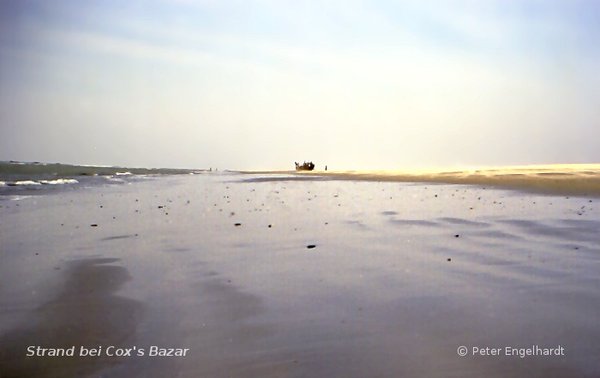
[331, 274]
[299, 189]
[567, 179]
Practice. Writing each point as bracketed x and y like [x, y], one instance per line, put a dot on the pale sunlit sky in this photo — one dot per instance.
[261, 84]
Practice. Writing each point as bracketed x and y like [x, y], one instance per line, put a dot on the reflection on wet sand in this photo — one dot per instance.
[87, 313]
[225, 329]
[402, 275]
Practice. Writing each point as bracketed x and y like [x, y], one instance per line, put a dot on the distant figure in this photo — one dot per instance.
[325, 167]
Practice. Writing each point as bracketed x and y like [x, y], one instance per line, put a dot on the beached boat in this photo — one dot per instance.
[306, 166]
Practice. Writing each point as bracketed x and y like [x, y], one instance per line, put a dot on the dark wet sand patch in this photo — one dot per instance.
[414, 222]
[230, 329]
[495, 234]
[117, 237]
[357, 223]
[452, 173]
[554, 174]
[572, 233]
[177, 249]
[582, 223]
[227, 302]
[86, 313]
[464, 222]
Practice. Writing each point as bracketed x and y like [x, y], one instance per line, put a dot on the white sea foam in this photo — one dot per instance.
[18, 198]
[123, 173]
[59, 181]
[27, 182]
[113, 179]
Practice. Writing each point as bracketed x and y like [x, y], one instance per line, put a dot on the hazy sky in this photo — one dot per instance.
[261, 84]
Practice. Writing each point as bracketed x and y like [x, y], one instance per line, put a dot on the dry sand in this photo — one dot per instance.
[568, 179]
[401, 275]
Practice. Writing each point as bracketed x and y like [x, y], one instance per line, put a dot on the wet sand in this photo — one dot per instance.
[85, 313]
[401, 274]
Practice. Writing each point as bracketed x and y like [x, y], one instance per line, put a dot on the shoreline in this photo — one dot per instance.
[558, 179]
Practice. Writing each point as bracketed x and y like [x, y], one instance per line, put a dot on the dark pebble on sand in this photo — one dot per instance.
[93, 225]
[160, 207]
[457, 235]
[270, 226]
[237, 224]
[311, 246]
[449, 259]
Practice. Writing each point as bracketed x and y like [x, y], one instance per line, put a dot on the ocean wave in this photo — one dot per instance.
[38, 182]
[59, 181]
[25, 183]
[113, 179]
[43, 170]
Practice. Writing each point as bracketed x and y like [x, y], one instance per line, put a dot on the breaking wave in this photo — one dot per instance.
[19, 177]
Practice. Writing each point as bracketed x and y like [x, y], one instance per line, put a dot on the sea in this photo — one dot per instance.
[21, 179]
